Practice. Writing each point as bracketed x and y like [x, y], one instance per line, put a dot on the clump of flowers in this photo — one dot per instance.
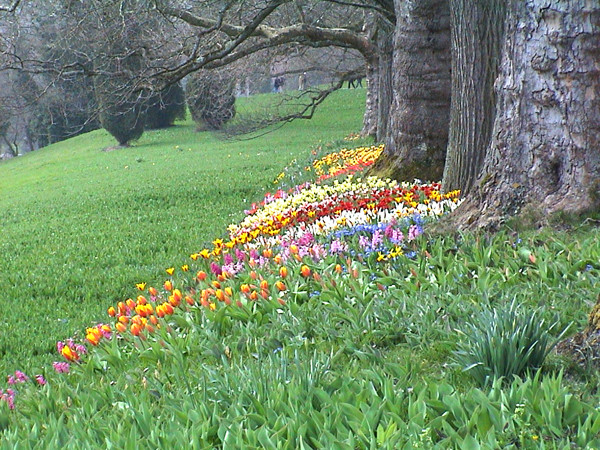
[346, 161]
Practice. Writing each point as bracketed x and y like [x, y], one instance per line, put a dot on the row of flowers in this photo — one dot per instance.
[278, 250]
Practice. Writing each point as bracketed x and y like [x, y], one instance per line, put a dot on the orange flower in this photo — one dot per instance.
[281, 301]
[122, 308]
[212, 306]
[267, 252]
[253, 295]
[305, 271]
[153, 319]
[316, 277]
[121, 328]
[177, 295]
[264, 284]
[338, 268]
[283, 271]
[281, 286]
[253, 275]
[216, 284]
[93, 337]
[229, 291]
[278, 259]
[69, 353]
[130, 303]
[123, 319]
[168, 308]
[135, 329]
[189, 300]
[141, 300]
[264, 294]
[112, 312]
[152, 291]
[160, 311]
[220, 295]
[201, 275]
[168, 285]
[293, 249]
[170, 270]
[245, 288]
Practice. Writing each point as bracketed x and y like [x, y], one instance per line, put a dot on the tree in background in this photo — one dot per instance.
[210, 98]
[165, 107]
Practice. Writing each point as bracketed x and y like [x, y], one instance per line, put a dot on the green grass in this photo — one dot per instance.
[81, 226]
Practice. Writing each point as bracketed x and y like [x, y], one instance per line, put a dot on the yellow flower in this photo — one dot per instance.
[170, 270]
[185, 267]
[140, 286]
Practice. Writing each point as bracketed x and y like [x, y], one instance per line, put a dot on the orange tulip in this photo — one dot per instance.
[130, 303]
[216, 284]
[168, 308]
[253, 275]
[177, 295]
[189, 300]
[121, 328]
[69, 353]
[245, 288]
[264, 284]
[267, 252]
[160, 311]
[135, 329]
[201, 275]
[264, 294]
[283, 271]
[316, 277]
[123, 319]
[112, 312]
[152, 291]
[168, 285]
[220, 295]
[281, 301]
[229, 291]
[254, 295]
[122, 308]
[93, 338]
[338, 268]
[305, 271]
[141, 300]
[153, 320]
[293, 249]
[281, 286]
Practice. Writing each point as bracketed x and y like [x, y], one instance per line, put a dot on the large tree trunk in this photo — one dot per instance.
[477, 36]
[417, 132]
[545, 149]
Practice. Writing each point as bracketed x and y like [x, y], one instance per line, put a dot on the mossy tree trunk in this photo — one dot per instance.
[477, 36]
[417, 127]
[545, 148]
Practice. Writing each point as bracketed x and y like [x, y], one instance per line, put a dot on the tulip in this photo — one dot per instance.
[264, 285]
[189, 300]
[254, 295]
[281, 286]
[93, 338]
[112, 312]
[141, 300]
[130, 304]
[170, 270]
[185, 268]
[245, 288]
[201, 275]
[220, 295]
[305, 271]
[152, 291]
[121, 328]
[168, 308]
[283, 272]
[177, 296]
[135, 329]
[338, 268]
[168, 285]
[140, 286]
[69, 353]
[153, 320]
[123, 319]
[229, 291]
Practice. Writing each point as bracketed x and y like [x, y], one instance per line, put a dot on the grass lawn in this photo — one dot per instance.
[81, 226]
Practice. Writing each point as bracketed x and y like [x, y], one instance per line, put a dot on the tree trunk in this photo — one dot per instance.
[545, 149]
[477, 34]
[385, 44]
[417, 132]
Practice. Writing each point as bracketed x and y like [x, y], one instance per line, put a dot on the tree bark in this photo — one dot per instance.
[477, 36]
[545, 149]
[417, 132]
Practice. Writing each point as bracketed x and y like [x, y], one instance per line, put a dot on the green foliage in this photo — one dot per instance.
[210, 98]
[165, 107]
[505, 343]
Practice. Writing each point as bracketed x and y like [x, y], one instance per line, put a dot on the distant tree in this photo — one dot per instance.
[210, 98]
[165, 107]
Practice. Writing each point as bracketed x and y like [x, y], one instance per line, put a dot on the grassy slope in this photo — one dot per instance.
[80, 226]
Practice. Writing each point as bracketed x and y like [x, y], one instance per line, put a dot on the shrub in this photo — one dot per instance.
[504, 343]
[165, 107]
[122, 114]
[210, 98]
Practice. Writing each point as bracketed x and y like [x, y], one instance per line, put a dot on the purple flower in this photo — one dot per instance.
[227, 259]
[239, 254]
[41, 380]
[363, 241]
[413, 232]
[61, 367]
[337, 247]
[377, 239]
[215, 268]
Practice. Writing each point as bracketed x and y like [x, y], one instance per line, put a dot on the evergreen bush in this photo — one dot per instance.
[210, 98]
[165, 107]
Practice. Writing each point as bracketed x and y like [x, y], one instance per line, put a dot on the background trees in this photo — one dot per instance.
[428, 115]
